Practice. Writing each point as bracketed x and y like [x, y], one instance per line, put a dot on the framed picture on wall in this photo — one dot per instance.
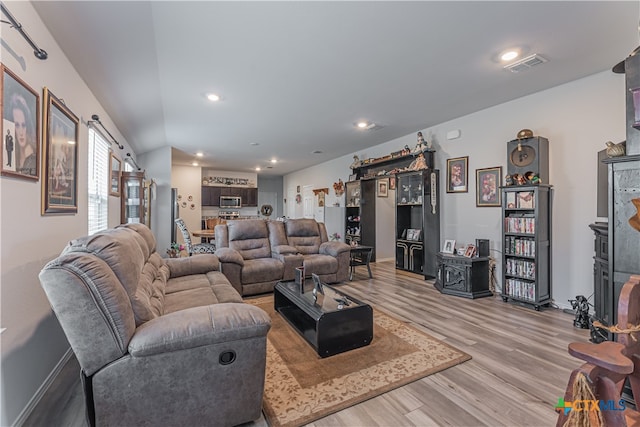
[383, 187]
[20, 154]
[60, 181]
[457, 175]
[488, 181]
[114, 176]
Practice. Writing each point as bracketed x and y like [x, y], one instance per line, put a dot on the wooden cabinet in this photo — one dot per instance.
[526, 257]
[211, 195]
[417, 221]
[360, 213]
[462, 276]
[135, 199]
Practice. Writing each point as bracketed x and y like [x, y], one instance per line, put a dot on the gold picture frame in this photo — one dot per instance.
[60, 157]
[20, 128]
[115, 169]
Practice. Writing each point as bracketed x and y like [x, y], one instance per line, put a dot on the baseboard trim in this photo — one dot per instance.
[384, 259]
[33, 402]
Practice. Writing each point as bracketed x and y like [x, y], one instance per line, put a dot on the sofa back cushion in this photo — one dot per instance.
[250, 237]
[304, 235]
[142, 273]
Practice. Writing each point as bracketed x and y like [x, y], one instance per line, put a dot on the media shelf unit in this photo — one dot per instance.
[526, 255]
[417, 222]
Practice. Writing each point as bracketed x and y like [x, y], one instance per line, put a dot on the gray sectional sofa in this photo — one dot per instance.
[159, 341]
[256, 254]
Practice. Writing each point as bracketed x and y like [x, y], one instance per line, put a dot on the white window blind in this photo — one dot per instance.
[98, 182]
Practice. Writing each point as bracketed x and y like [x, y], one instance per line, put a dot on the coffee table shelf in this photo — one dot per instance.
[328, 326]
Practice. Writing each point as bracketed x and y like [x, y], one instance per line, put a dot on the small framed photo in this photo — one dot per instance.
[488, 182]
[60, 181]
[449, 247]
[470, 251]
[383, 187]
[457, 175]
[413, 234]
[20, 153]
[392, 183]
[114, 176]
[353, 177]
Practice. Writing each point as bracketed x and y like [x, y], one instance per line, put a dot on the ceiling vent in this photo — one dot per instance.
[373, 126]
[526, 63]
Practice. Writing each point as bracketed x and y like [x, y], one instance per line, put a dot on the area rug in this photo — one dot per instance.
[301, 387]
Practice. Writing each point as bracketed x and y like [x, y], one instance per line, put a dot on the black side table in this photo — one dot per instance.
[360, 255]
[462, 276]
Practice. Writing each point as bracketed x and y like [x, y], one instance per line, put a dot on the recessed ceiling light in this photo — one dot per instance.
[365, 125]
[258, 169]
[194, 164]
[274, 161]
[509, 55]
[213, 97]
[199, 154]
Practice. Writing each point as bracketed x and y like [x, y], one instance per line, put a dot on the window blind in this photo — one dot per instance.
[98, 184]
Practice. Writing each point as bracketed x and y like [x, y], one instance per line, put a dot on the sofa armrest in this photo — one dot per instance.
[283, 250]
[230, 255]
[334, 248]
[291, 262]
[199, 326]
[198, 264]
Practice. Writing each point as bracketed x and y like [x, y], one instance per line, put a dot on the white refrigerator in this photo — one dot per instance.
[334, 220]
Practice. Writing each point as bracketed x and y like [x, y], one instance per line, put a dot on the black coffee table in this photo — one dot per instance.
[333, 324]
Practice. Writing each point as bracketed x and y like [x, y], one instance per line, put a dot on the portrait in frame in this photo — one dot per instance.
[383, 187]
[449, 246]
[115, 166]
[20, 154]
[60, 157]
[488, 181]
[458, 175]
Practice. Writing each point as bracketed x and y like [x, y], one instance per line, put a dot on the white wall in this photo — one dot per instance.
[157, 167]
[33, 346]
[577, 118]
[188, 181]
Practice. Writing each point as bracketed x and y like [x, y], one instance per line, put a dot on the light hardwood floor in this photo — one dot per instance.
[519, 369]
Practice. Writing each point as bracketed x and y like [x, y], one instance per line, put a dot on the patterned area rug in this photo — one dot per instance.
[301, 387]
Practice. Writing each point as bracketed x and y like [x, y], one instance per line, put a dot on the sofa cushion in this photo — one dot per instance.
[148, 300]
[250, 238]
[304, 235]
[320, 264]
[262, 270]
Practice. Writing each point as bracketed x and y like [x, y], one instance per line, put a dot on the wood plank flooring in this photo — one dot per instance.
[520, 364]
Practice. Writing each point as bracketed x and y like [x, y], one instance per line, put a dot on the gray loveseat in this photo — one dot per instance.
[159, 341]
[255, 254]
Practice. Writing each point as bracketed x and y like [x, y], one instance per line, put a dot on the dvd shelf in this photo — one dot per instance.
[526, 258]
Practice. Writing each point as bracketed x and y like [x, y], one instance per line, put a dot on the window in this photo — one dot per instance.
[98, 182]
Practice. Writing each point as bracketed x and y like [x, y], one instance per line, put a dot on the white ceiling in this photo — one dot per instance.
[296, 76]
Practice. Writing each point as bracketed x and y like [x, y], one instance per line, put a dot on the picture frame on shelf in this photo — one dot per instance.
[20, 154]
[115, 166]
[458, 175]
[449, 246]
[60, 157]
[413, 234]
[488, 182]
[470, 251]
[383, 187]
[353, 177]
